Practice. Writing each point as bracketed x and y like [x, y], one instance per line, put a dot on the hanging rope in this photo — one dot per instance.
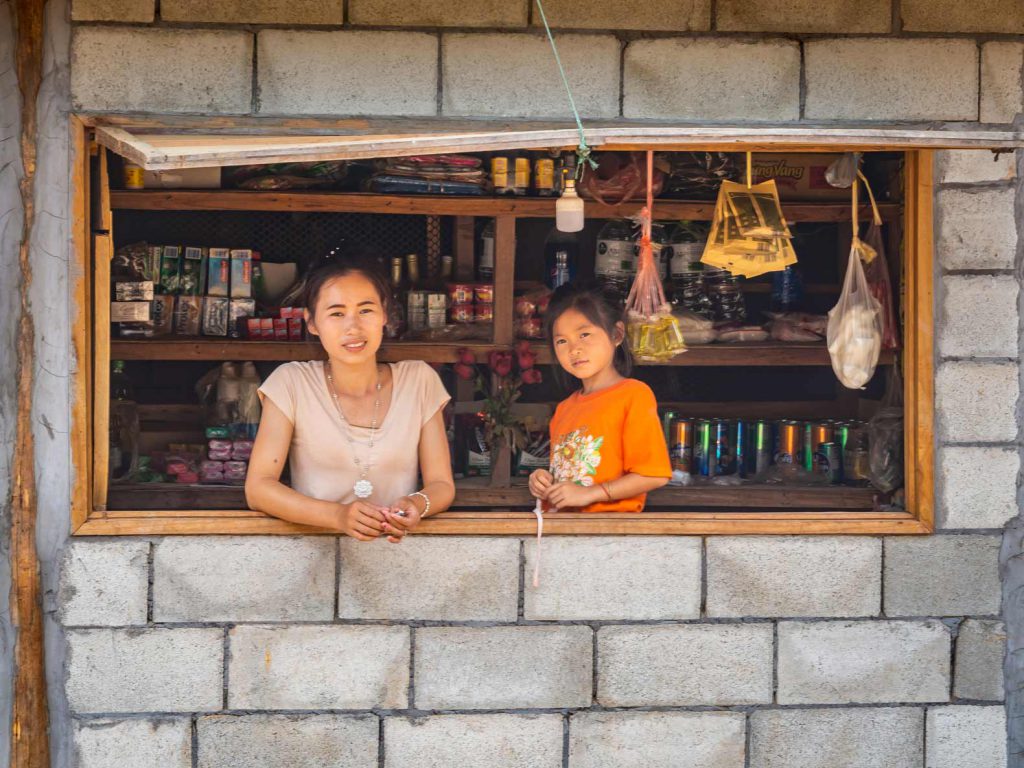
[582, 151]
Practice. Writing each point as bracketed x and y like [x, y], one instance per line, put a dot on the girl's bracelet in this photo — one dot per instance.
[608, 493]
[426, 500]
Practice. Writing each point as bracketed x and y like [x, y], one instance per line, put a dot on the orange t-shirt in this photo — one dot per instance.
[607, 434]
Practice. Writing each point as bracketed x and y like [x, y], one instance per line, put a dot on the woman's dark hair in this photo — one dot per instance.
[335, 266]
[601, 308]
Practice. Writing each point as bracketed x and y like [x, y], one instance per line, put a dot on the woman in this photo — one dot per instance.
[357, 433]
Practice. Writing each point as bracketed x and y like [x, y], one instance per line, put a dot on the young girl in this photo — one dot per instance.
[607, 445]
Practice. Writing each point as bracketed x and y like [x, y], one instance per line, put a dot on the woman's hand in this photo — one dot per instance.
[402, 516]
[568, 494]
[540, 483]
[361, 520]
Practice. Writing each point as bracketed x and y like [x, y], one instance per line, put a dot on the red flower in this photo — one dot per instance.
[527, 357]
[466, 356]
[531, 376]
[502, 363]
[465, 372]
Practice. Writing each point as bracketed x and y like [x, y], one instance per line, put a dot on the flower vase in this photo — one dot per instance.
[501, 464]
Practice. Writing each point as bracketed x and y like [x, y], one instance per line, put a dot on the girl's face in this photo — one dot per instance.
[583, 348]
[349, 318]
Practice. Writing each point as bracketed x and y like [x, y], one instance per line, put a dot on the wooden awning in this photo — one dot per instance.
[162, 143]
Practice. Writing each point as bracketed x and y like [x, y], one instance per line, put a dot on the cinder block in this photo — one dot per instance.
[862, 662]
[686, 79]
[1002, 81]
[495, 741]
[662, 15]
[971, 166]
[427, 13]
[318, 667]
[684, 665]
[980, 649]
[1004, 17]
[104, 583]
[804, 16]
[157, 743]
[942, 576]
[113, 10]
[979, 316]
[145, 670]
[503, 667]
[976, 402]
[295, 741]
[882, 79]
[827, 738]
[975, 229]
[794, 576]
[967, 737]
[442, 579]
[977, 486]
[253, 12]
[656, 740]
[244, 578]
[611, 578]
[161, 70]
[477, 82]
[347, 73]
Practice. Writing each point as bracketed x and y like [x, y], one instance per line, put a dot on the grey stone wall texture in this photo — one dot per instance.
[722, 652]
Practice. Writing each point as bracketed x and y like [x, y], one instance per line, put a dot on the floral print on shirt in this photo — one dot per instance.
[576, 457]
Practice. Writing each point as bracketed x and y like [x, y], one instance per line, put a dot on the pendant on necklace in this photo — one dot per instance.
[363, 489]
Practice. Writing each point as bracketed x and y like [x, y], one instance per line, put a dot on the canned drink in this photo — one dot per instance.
[681, 446]
[760, 446]
[702, 449]
[791, 439]
[666, 426]
[816, 433]
[827, 462]
[724, 447]
[855, 454]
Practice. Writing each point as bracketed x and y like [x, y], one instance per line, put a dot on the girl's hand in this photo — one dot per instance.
[540, 483]
[401, 517]
[568, 494]
[361, 520]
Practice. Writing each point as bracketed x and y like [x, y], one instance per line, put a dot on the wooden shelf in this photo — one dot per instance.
[475, 493]
[740, 354]
[429, 205]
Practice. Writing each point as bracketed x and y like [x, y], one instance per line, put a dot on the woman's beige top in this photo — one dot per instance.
[320, 457]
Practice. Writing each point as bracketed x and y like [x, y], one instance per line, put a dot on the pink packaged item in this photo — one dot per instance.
[241, 450]
[219, 444]
[187, 477]
[177, 468]
[235, 470]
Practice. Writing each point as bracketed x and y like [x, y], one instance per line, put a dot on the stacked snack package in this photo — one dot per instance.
[530, 310]
[431, 174]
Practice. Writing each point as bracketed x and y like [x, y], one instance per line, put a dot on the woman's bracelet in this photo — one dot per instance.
[426, 499]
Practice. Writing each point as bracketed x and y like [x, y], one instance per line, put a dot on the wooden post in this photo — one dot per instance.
[29, 725]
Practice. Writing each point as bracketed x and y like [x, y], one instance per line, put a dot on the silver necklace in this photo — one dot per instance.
[363, 488]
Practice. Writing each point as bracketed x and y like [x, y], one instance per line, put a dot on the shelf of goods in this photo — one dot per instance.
[738, 354]
[422, 205]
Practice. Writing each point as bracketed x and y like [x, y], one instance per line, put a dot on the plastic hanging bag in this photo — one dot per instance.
[877, 273]
[885, 438]
[653, 332]
[854, 332]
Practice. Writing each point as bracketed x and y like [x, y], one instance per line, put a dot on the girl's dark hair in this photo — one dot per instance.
[600, 307]
[334, 266]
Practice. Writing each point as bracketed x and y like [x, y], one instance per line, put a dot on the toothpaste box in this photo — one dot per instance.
[241, 274]
[218, 272]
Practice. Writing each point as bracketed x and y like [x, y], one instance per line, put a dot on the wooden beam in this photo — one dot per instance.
[81, 311]
[30, 722]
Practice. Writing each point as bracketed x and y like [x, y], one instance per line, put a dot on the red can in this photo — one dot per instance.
[484, 313]
[463, 313]
[484, 293]
[460, 293]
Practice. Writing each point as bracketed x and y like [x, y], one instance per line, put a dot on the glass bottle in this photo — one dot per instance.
[561, 257]
[415, 297]
[396, 312]
[485, 264]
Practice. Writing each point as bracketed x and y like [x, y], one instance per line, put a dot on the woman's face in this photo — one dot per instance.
[349, 318]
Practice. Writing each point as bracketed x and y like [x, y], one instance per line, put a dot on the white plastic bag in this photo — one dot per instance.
[854, 327]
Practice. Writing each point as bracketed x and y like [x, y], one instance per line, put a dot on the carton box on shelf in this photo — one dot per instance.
[192, 282]
[215, 316]
[218, 272]
[241, 274]
[133, 291]
[188, 311]
[240, 310]
[129, 311]
[163, 315]
[170, 269]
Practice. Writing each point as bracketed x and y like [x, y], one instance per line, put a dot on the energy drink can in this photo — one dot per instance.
[702, 449]
[666, 425]
[827, 462]
[724, 446]
[815, 433]
[741, 434]
[791, 440]
[760, 446]
[681, 446]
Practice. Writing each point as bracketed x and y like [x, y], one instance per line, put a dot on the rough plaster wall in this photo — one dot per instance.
[10, 236]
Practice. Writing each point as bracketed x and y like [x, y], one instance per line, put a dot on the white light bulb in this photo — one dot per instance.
[569, 209]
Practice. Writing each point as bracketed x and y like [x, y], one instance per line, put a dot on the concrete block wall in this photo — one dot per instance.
[722, 652]
[752, 652]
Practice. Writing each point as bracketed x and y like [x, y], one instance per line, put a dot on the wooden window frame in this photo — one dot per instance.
[91, 341]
